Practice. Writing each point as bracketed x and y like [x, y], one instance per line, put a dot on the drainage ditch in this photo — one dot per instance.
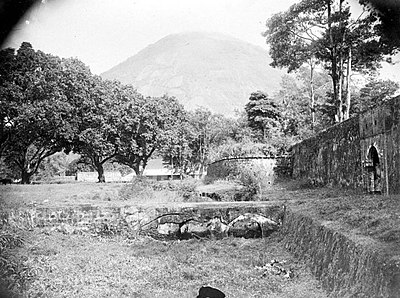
[346, 267]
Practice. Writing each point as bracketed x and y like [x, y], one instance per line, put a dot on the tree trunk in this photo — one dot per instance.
[342, 106]
[340, 89]
[348, 95]
[334, 66]
[26, 177]
[136, 168]
[312, 96]
[100, 171]
[144, 164]
[180, 164]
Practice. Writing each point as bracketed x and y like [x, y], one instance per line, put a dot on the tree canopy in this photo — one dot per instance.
[263, 114]
[326, 32]
[50, 105]
[35, 115]
[145, 126]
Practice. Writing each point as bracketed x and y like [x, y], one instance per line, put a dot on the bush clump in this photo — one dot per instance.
[254, 182]
[15, 273]
[146, 189]
[187, 188]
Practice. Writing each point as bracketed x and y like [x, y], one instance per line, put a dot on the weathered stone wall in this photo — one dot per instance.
[130, 220]
[379, 128]
[331, 157]
[341, 155]
[346, 267]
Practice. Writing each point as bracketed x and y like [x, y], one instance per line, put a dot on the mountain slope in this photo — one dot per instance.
[200, 69]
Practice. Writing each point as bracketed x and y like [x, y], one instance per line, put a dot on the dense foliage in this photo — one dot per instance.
[50, 105]
[328, 33]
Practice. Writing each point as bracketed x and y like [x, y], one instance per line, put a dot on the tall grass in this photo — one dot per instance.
[146, 190]
[82, 266]
[15, 273]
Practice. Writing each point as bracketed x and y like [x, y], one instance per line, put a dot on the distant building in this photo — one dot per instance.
[93, 176]
[155, 170]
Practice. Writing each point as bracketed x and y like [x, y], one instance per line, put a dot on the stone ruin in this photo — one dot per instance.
[180, 222]
[248, 225]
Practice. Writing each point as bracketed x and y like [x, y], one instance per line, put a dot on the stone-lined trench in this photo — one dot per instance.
[345, 267]
[182, 221]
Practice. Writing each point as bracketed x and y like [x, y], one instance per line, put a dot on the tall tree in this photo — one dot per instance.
[268, 123]
[263, 115]
[294, 95]
[374, 92]
[325, 30]
[7, 88]
[97, 138]
[35, 114]
[207, 130]
[145, 126]
[176, 152]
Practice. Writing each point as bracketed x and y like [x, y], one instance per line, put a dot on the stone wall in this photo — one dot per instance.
[343, 154]
[380, 129]
[131, 220]
[331, 157]
[346, 265]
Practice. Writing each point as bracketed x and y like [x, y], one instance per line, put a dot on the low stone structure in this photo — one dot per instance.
[347, 265]
[183, 221]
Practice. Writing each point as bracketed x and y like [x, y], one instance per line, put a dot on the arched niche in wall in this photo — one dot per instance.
[374, 171]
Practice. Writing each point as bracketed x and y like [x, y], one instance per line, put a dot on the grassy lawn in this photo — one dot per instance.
[350, 211]
[80, 266]
[374, 216]
[15, 195]
[105, 194]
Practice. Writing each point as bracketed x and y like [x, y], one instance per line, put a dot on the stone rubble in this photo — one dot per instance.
[276, 267]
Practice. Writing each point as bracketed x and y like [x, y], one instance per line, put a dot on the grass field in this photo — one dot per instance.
[374, 216]
[105, 194]
[79, 266]
[57, 265]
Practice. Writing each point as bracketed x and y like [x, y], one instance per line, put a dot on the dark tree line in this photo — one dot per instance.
[49, 104]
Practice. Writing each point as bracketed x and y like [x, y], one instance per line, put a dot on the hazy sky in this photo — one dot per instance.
[103, 33]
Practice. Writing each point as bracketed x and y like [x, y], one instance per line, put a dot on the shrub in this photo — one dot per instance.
[254, 181]
[139, 187]
[208, 180]
[15, 273]
[185, 188]
[146, 189]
